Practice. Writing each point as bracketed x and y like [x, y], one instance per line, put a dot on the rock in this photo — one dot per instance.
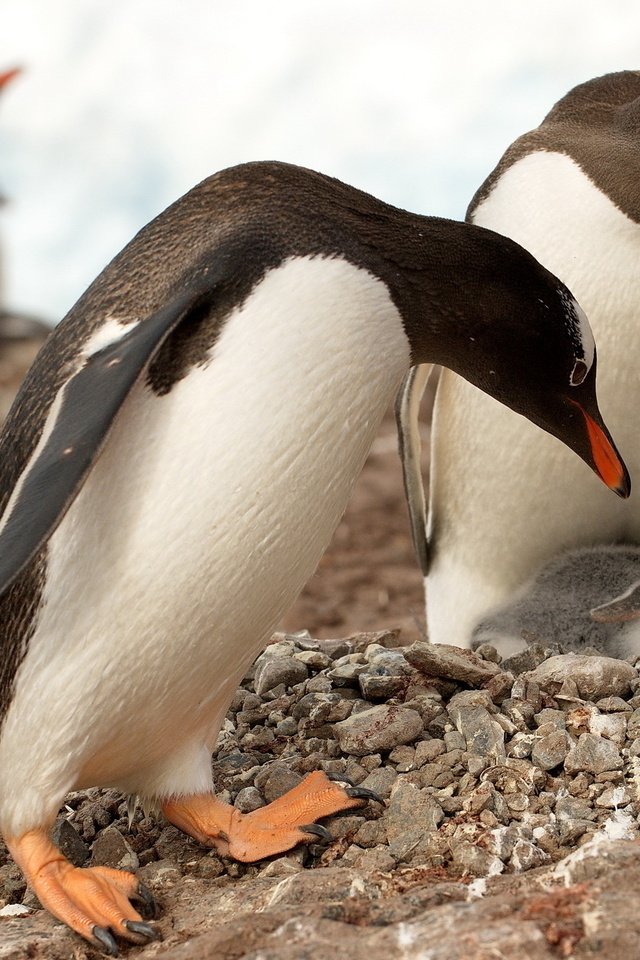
[613, 797]
[474, 860]
[529, 658]
[482, 735]
[71, 845]
[274, 670]
[428, 750]
[550, 751]
[376, 686]
[450, 663]
[404, 758]
[276, 780]
[409, 807]
[594, 677]
[379, 728]
[593, 754]
[248, 799]
[613, 726]
[380, 781]
[110, 849]
[499, 687]
[314, 659]
[526, 855]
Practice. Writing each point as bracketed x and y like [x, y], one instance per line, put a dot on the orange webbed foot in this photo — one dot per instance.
[93, 901]
[278, 827]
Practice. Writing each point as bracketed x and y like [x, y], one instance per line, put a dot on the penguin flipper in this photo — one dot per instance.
[407, 411]
[76, 430]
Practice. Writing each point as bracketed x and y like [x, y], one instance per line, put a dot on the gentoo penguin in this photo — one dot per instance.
[177, 460]
[556, 606]
[504, 498]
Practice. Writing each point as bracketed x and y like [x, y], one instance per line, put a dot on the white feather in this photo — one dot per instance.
[206, 513]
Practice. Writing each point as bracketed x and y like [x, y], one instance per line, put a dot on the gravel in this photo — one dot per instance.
[483, 771]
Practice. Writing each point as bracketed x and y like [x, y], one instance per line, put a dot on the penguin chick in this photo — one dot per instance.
[555, 607]
[177, 460]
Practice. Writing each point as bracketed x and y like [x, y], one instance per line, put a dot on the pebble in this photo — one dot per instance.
[593, 754]
[550, 751]
[70, 843]
[110, 849]
[379, 728]
[275, 670]
[594, 677]
[451, 663]
[483, 766]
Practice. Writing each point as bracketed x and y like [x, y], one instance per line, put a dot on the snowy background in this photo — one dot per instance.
[126, 104]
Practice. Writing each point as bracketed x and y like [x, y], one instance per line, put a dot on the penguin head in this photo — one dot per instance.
[525, 341]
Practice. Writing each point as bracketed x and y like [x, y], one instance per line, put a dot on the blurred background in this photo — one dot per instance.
[123, 106]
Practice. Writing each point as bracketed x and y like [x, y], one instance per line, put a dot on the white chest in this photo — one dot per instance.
[211, 506]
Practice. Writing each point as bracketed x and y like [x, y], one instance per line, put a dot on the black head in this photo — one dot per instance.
[516, 332]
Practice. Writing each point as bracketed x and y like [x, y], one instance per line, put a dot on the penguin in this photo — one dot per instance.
[569, 192]
[570, 603]
[176, 463]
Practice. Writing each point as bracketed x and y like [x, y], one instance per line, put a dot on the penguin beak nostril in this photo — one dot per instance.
[606, 460]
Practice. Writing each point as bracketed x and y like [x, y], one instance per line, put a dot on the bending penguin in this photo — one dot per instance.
[568, 191]
[175, 465]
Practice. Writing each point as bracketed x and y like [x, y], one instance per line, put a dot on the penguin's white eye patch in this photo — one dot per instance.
[579, 372]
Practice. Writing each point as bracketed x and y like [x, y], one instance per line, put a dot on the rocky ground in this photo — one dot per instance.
[508, 821]
[508, 813]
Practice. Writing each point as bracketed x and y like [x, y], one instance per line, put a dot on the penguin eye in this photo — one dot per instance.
[579, 372]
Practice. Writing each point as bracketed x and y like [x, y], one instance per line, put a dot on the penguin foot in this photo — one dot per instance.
[93, 901]
[273, 829]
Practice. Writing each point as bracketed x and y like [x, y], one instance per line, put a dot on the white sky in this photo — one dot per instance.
[126, 104]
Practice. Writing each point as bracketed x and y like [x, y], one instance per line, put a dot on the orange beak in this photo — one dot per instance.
[606, 460]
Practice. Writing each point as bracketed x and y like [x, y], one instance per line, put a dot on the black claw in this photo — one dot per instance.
[149, 905]
[362, 793]
[339, 778]
[106, 940]
[143, 929]
[318, 831]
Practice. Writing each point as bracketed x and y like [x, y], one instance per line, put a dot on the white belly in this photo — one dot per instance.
[505, 496]
[206, 513]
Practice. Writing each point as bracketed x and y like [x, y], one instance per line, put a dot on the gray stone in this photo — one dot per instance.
[614, 705]
[248, 799]
[573, 808]
[474, 860]
[278, 669]
[499, 687]
[550, 751]
[428, 750]
[613, 726]
[595, 677]
[593, 754]
[408, 807]
[380, 686]
[276, 780]
[110, 849]
[451, 663]
[526, 855]
[380, 781]
[529, 658]
[69, 843]
[613, 797]
[482, 734]
[314, 659]
[404, 758]
[379, 728]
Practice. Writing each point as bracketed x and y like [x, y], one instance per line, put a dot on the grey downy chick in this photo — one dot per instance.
[556, 606]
